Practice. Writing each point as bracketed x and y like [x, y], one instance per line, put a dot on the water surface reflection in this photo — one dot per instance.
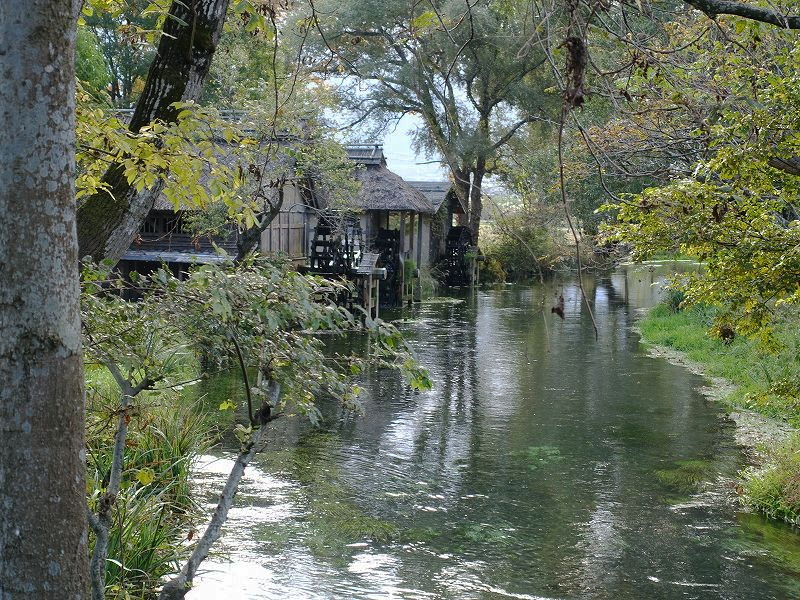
[543, 464]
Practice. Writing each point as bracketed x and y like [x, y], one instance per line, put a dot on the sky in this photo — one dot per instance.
[400, 158]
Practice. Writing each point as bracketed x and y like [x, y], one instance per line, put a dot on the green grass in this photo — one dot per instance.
[767, 380]
[155, 508]
[774, 488]
[766, 376]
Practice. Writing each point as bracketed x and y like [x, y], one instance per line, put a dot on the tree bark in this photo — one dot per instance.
[749, 11]
[250, 238]
[43, 550]
[109, 220]
[461, 184]
[476, 202]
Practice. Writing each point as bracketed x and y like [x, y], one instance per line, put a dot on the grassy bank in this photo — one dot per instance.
[155, 510]
[766, 379]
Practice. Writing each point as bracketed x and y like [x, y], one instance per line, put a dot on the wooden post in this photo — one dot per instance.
[411, 234]
[402, 234]
[419, 242]
[377, 284]
[402, 257]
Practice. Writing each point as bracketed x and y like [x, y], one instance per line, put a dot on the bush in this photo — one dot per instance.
[492, 271]
[774, 489]
[519, 256]
[673, 299]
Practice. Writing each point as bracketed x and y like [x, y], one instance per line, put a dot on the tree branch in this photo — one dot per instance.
[177, 587]
[749, 11]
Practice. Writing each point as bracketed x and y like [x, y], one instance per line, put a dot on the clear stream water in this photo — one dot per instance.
[543, 465]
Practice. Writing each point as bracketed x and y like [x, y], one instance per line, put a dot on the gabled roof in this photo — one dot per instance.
[434, 191]
[366, 154]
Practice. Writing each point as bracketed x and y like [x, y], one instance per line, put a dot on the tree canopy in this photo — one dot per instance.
[475, 74]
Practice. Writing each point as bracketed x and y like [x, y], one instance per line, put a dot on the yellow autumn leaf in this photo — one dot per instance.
[145, 476]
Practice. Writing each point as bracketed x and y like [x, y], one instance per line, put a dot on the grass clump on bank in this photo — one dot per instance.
[774, 488]
[154, 511]
[767, 380]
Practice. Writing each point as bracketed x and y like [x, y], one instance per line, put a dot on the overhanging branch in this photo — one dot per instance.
[749, 11]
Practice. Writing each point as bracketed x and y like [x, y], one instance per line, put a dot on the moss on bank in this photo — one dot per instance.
[766, 379]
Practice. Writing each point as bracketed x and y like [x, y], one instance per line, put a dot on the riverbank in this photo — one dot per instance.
[759, 383]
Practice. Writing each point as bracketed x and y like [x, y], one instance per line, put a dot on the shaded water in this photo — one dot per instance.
[543, 464]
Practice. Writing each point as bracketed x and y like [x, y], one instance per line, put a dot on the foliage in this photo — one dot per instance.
[524, 239]
[760, 371]
[429, 285]
[732, 209]
[774, 489]
[270, 319]
[124, 31]
[90, 67]
[185, 155]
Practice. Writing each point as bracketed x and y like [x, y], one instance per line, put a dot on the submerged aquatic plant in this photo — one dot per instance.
[688, 476]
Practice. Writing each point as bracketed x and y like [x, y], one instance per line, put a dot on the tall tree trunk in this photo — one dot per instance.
[476, 201]
[461, 184]
[43, 550]
[250, 238]
[109, 220]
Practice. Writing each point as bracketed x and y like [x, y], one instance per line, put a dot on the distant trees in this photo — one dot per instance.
[43, 550]
[475, 73]
[120, 32]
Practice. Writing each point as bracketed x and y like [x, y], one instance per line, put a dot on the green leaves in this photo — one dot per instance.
[226, 405]
[731, 208]
[274, 316]
[424, 20]
[182, 156]
[145, 476]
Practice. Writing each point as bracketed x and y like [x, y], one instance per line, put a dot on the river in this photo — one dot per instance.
[542, 465]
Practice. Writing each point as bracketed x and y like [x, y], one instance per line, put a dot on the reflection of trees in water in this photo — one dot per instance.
[642, 285]
[530, 466]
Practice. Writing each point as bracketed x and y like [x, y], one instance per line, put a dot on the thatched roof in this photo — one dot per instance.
[276, 167]
[383, 190]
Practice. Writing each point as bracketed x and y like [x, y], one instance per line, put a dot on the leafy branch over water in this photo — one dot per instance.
[257, 315]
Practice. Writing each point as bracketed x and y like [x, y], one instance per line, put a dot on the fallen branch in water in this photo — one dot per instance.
[177, 587]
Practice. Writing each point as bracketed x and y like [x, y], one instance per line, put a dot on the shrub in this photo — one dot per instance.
[774, 488]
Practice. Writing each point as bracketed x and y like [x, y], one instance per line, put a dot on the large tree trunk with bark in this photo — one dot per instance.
[461, 184]
[468, 183]
[476, 200]
[109, 220]
[43, 552]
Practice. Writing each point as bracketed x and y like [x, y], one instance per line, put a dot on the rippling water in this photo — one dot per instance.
[542, 465]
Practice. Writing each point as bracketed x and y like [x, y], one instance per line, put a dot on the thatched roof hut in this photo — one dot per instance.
[381, 189]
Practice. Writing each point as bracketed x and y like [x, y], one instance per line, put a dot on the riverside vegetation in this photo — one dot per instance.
[691, 129]
[766, 375]
[145, 425]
